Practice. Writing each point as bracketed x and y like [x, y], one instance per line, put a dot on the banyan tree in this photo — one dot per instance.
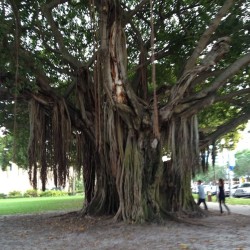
[111, 86]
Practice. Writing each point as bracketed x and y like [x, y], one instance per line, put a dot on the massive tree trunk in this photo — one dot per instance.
[132, 181]
[135, 184]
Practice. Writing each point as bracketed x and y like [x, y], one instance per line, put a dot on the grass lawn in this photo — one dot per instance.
[229, 200]
[74, 203]
[238, 201]
[40, 204]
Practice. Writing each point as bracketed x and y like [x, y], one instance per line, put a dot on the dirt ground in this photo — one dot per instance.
[66, 231]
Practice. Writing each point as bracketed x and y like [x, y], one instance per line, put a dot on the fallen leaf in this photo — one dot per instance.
[183, 246]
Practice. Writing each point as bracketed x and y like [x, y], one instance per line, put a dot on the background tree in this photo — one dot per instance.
[113, 84]
[212, 175]
[242, 167]
[5, 155]
[8, 149]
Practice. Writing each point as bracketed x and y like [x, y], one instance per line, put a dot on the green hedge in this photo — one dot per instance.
[3, 196]
[31, 193]
[34, 193]
[52, 193]
[15, 194]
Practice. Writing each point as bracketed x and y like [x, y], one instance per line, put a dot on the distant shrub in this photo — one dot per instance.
[79, 191]
[2, 195]
[50, 193]
[31, 193]
[15, 194]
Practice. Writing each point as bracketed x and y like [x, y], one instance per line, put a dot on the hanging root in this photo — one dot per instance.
[49, 142]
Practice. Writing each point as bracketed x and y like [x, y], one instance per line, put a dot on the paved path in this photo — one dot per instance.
[238, 209]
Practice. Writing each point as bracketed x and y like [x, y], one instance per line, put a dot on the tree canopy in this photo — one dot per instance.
[112, 85]
[242, 167]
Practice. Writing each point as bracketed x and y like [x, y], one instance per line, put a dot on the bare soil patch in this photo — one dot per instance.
[68, 231]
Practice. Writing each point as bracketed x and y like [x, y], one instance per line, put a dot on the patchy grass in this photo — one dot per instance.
[40, 204]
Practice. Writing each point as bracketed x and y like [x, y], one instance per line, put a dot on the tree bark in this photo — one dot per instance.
[132, 182]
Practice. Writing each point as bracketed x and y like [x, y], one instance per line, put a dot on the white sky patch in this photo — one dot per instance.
[244, 142]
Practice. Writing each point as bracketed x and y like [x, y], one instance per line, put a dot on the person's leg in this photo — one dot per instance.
[199, 202]
[220, 205]
[223, 201]
[205, 204]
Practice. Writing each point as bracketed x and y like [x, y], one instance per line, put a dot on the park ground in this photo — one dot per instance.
[66, 231]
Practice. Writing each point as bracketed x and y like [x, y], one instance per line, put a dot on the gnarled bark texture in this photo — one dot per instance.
[132, 181]
[94, 112]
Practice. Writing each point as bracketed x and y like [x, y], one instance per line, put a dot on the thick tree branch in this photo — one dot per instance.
[204, 98]
[235, 97]
[203, 76]
[47, 11]
[222, 78]
[228, 73]
[202, 43]
[193, 107]
[224, 129]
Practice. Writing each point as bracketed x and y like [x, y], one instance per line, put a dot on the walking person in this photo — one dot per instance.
[222, 197]
[201, 195]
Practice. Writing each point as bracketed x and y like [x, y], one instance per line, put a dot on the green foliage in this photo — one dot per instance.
[178, 28]
[14, 150]
[36, 193]
[5, 152]
[31, 193]
[242, 167]
[79, 185]
[3, 196]
[212, 175]
[217, 115]
[15, 194]
[52, 193]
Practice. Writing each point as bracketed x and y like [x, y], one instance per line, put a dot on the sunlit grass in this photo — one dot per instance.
[229, 200]
[67, 203]
[40, 204]
[238, 201]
